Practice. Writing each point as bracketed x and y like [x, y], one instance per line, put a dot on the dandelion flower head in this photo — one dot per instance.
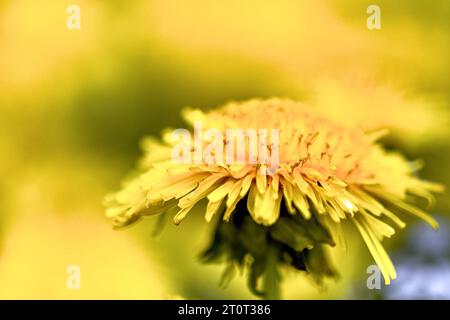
[327, 174]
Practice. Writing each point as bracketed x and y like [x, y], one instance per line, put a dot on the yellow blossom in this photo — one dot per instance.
[327, 174]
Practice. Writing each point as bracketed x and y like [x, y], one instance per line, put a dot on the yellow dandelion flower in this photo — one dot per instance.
[283, 212]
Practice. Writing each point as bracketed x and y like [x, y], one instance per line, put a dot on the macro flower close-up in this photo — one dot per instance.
[195, 153]
[282, 197]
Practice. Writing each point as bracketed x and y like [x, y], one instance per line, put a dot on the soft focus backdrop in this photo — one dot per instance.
[74, 105]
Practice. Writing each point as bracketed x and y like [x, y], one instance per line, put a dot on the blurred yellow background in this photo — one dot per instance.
[74, 105]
